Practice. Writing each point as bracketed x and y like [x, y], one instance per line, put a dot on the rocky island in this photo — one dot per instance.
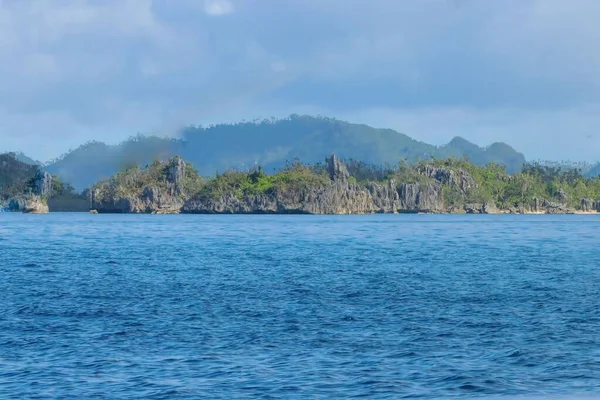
[336, 187]
[26, 188]
[30, 189]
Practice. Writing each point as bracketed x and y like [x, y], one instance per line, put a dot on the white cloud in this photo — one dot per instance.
[78, 69]
[218, 7]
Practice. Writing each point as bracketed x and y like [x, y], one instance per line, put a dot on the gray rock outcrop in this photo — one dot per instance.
[107, 199]
[481, 208]
[35, 205]
[337, 195]
[42, 184]
[449, 176]
[152, 200]
[175, 175]
[590, 205]
[544, 206]
[340, 196]
[35, 202]
[337, 169]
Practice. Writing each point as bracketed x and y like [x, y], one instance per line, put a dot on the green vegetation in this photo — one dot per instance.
[133, 180]
[463, 181]
[269, 143]
[489, 184]
[95, 161]
[495, 184]
[16, 177]
[293, 177]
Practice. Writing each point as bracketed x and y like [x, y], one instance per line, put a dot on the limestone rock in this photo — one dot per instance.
[35, 205]
[43, 184]
[449, 176]
[547, 207]
[340, 197]
[590, 205]
[336, 169]
[421, 197]
[481, 208]
[175, 175]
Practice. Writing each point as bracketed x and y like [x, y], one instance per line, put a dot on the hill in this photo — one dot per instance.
[270, 143]
[594, 171]
[95, 161]
[15, 175]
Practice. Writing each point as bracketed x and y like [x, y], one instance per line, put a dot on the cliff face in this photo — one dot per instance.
[165, 195]
[339, 196]
[451, 177]
[35, 200]
[589, 205]
[37, 203]
[152, 200]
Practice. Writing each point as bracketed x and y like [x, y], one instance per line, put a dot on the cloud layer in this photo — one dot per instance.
[525, 72]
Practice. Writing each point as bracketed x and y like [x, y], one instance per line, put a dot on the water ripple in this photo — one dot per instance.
[384, 306]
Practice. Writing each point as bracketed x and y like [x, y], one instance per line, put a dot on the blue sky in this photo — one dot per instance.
[526, 72]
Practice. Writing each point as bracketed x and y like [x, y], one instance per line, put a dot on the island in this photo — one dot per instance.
[336, 187]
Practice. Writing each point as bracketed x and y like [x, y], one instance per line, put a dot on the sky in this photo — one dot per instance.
[526, 72]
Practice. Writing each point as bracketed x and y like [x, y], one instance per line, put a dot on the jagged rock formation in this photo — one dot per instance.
[451, 177]
[42, 184]
[36, 200]
[165, 195]
[543, 206]
[339, 196]
[151, 200]
[164, 188]
[176, 170]
[336, 169]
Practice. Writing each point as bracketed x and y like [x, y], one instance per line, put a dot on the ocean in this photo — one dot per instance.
[299, 306]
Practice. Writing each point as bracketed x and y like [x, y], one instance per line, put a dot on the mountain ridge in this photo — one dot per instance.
[270, 143]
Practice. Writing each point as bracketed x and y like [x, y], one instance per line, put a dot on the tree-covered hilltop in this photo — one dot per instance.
[16, 177]
[95, 160]
[268, 143]
[159, 187]
[350, 187]
[23, 183]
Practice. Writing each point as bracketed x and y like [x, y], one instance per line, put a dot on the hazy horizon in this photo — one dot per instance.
[520, 72]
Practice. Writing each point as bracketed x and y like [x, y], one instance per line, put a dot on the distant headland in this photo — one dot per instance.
[334, 186]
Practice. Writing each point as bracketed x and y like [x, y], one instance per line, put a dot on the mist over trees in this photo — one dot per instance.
[270, 143]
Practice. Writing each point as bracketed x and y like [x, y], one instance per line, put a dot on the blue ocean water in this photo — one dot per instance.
[381, 306]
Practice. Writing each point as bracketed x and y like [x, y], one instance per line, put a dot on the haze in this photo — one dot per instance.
[523, 72]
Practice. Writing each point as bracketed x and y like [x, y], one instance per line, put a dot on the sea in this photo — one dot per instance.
[299, 306]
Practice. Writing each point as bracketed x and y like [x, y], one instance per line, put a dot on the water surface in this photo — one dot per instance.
[382, 306]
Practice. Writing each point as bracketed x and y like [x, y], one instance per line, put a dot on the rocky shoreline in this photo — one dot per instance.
[339, 194]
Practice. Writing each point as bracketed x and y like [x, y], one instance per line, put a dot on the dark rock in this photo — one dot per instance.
[590, 205]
